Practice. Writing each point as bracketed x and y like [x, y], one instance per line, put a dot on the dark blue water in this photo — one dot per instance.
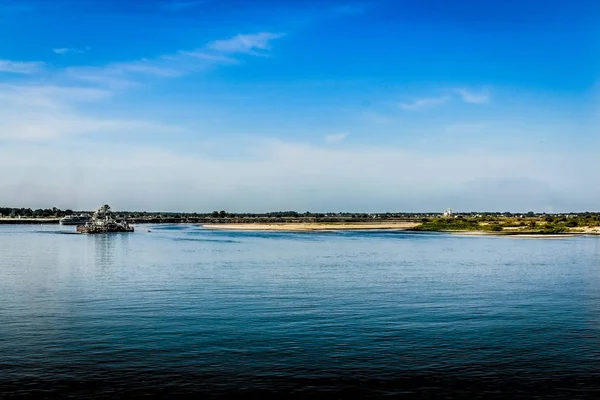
[188, 311]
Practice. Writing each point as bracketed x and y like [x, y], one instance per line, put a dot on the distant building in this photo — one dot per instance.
[448, 213]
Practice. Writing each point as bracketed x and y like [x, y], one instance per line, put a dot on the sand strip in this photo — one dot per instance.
[307, 227]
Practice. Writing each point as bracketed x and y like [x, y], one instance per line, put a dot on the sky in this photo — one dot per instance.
[305, 105]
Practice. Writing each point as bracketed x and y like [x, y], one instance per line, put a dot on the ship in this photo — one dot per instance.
[104, 221]
[75, 219]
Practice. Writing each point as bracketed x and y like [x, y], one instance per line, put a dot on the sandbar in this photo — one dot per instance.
[300, 227]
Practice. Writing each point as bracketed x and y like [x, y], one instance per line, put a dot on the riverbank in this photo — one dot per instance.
[580, 231]
[397, 226]
[532, 235]
[29, 221]
[299, 227]
[407, 226]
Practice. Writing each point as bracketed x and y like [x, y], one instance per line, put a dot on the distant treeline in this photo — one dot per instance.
[291, 216]
[30, 213]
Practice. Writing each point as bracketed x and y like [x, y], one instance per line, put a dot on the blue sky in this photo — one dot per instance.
[305, 105]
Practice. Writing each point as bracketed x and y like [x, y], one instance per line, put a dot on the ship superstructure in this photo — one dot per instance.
[104, 221]
[75, 219]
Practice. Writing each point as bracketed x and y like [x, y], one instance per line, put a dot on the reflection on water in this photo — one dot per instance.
[104, 247]
[185, 310]
[108, 250]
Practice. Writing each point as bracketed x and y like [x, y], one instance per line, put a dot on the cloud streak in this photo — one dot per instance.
[52, 113]
[209, 57]
[66, 50]
[462, 94]
[219, 52]
[49, 96]
[421, 104]
[20, 67]
[336, 138]
[33, 112]
[254, 44]
[473, 97]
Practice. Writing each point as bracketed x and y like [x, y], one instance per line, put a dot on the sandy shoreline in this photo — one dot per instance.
[309, 227]
[28, 221]
[398, 226]
[517, 234]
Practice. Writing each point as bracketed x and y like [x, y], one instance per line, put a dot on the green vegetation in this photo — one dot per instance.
[554, 228]
[493, 227]
[448, 224]
[29, 213]
[545, 224]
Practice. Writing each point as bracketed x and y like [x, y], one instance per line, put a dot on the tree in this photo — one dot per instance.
[222, 214]
[495, 227]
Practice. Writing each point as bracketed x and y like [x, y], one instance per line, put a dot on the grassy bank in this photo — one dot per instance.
[546, 225]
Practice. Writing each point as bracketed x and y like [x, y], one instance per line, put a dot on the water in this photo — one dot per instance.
[184, 310]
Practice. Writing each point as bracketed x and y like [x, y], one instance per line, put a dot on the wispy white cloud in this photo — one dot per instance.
[377, 118]
[336, 137]
[220, 52]
[51, 126]
[20, 67]
[182, 5]
[100, 77]
[66, 50]
[49, 96]
[423, 103]
[145, 66]
[473, 97]
[462, 94]
[33, 113]
[254, 44]
[211, 57]
[121, 75]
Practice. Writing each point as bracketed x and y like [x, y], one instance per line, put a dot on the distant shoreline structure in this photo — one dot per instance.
[473, 223]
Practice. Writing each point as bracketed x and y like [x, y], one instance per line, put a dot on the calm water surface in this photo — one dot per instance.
[187, 310]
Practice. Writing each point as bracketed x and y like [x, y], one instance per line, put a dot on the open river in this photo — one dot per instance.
[188, 311]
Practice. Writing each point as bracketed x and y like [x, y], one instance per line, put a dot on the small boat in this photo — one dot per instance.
[75, 219]
[104, 221]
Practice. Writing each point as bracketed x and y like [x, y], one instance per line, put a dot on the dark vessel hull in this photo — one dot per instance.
[90, 229]
[75, 222]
